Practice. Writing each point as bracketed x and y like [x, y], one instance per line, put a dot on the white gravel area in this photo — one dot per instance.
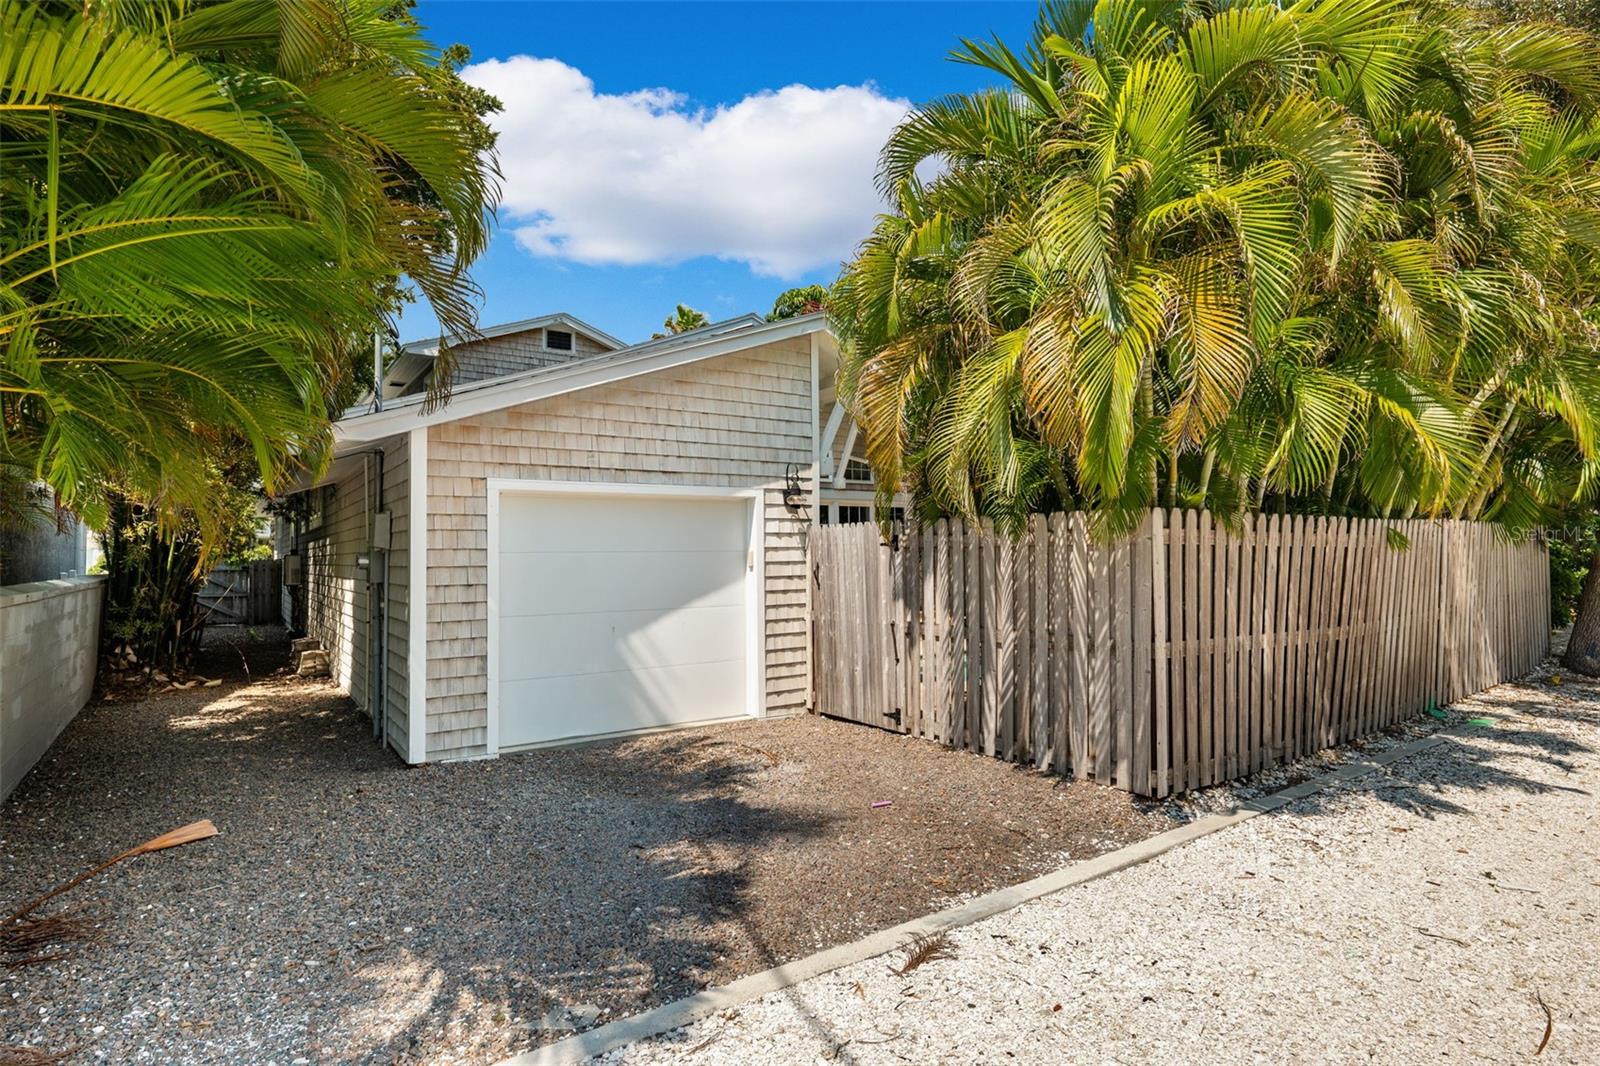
[1419, 912]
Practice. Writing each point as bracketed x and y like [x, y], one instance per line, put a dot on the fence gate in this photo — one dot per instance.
[861, 626]
[242, 595]
[1186, 654]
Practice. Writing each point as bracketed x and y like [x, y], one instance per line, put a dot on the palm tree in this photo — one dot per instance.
[204, 210]
[1334, 255]
[682, 320]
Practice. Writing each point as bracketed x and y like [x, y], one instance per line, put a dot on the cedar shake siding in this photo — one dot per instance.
[514, 353]
[336, 602]
[337, 597]
[733, 421]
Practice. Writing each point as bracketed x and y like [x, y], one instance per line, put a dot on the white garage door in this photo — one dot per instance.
[619, 613]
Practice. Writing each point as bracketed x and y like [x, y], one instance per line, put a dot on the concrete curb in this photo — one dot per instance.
[669, 1016]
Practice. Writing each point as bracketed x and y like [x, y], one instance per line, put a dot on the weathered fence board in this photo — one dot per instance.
[1182, 655]
[246, 594]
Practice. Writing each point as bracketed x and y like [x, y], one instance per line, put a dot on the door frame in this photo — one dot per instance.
[754, 593]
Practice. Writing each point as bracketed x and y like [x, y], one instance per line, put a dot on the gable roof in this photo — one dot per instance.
[415, 358]
[430, 345]
[359, 425]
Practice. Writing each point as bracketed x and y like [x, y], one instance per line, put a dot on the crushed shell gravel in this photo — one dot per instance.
[1418, 913]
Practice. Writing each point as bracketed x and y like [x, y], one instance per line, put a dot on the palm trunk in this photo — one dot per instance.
[1327, 486]
[1474, 504]
[1148, 388]
[1205, 474]
[1583, 645]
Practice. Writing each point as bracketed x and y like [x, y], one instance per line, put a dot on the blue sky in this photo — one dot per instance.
[706, 153]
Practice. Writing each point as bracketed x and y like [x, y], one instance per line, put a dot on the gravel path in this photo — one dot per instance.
[356, 910]
[1421, 912]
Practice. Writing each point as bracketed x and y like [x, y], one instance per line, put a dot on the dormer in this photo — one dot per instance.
[498, 351]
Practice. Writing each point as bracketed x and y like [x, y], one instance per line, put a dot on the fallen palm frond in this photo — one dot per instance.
[925, 948]
[25, 941]
[23, 934]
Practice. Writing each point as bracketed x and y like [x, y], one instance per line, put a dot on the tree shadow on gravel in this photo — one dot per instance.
[615, 877]
[1478, 761]
[355, 910]
[349, 896]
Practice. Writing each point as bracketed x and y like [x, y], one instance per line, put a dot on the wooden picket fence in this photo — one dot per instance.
[1181, 656]
[246, 594]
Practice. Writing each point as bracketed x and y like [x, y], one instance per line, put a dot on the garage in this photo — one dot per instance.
[653, 571]
[616, 610]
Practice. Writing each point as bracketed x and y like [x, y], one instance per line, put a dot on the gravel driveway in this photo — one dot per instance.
[354, 909]
[1420, 914]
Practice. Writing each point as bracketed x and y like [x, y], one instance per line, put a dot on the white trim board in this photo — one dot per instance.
[417, 599]
[813, 510]
[755, 583]
[824, 447]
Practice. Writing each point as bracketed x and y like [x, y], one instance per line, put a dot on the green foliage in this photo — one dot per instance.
[805, 300]
[205, 212]
[255, 553]
[24, 504]
[154, 576]
[1334, 256]
[1584, 14]
[157, 563]
[682, 320]
[1572, 549]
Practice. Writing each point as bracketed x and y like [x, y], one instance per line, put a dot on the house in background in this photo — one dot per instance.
[513, 348]
[45, 549]
[589, 539]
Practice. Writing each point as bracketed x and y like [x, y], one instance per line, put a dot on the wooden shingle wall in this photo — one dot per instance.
[337, 597]
[497, 356]
[734, 421]
[336, 602]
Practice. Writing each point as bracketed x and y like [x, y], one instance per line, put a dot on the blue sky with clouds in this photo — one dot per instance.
[706, 153]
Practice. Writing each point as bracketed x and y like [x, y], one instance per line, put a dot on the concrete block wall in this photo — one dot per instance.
[41, 552]
[49, 637]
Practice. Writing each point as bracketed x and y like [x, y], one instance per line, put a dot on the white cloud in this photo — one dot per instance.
[781, 180]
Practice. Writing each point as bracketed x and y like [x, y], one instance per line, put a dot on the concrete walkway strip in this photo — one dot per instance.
[670, 1016]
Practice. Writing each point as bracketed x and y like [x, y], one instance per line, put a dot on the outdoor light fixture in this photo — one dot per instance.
[794, 497]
